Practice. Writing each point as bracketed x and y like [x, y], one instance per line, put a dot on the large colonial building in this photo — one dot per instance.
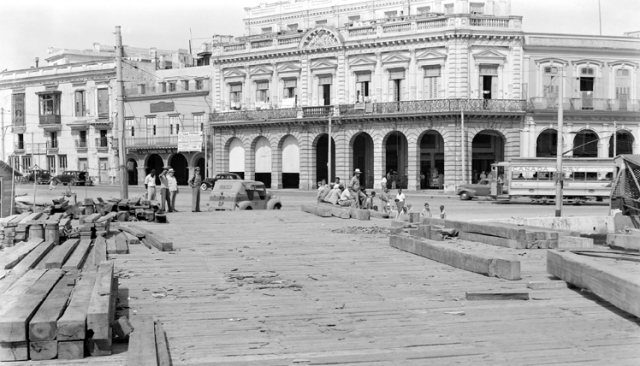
[422, 88]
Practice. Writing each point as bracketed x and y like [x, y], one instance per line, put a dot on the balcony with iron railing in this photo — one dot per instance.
[102, 143]
[152, 141]
[81, 145]
[379, 109]
[585, 104]
[19, 147]
[51, 119]
[52, 146]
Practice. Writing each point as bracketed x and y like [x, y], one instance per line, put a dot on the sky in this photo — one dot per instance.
[29, 27]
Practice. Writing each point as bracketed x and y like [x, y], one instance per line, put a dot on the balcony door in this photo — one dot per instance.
[623, 87]
[324, 90]
[488, 82]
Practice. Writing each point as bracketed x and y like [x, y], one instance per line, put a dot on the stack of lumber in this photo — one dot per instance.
[627, 241]
[328, 210]
[512, 235]
[87, 226]
[149, 238]
[52, 228]
[102, 224]
[117, 244]
[10, 229]
[58, 313]
[147, 343]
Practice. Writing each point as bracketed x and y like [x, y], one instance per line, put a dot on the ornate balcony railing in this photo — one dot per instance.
[39, 148]
[319, 111]
[286, 41]
[394, 28]
[50, 120]
[430, 24]
[586, 104]
[262, 44]
[52, 144]
[362, 32]
[436, 106]
[152, 141]
[81, 144]
[489, 22]
[255, 115]
[235, 47]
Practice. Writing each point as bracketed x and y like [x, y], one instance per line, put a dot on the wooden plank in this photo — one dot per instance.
[133, 230]
[73, 323]
[98, 254]
[122, 247]
[16, 351]
[492, 229]
[70, 350]
[613, 285]
[546, 285]
[60, 254]
[43, 326]
[490, 240]
[77, 259]
[90, 219]
[379, 215]
[100, 347]
[99, 311]
[18, 252]
[19, 286]
[15, 318]
[131, 239]
[142, 343]
[158, 241]
[478, 296]
[111, 246]
[162, 350]
[43, 350]
[474, 262]
[22, 225]
[53, 219]
[14, 222]
[572, 242]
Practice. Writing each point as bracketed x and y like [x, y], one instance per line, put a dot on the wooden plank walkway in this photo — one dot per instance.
[280, 288]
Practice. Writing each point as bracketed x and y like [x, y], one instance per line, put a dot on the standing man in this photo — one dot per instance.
[164, 189]
[354, 186]
[173, 190]
[383, 183]
[195, 182]
[150, 185]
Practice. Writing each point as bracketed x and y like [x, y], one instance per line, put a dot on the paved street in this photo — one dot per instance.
[292, 199]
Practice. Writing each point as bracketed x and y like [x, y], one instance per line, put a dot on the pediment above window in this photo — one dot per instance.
[395, 57]
[260, 71]
[490, 57]
[324, 63]
[288, 67]
[361, 61]
[227, 73]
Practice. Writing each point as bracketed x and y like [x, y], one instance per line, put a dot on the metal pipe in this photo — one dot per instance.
[559, 172]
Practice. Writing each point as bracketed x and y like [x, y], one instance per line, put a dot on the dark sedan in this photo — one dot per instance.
[208, 183]
[73, 177]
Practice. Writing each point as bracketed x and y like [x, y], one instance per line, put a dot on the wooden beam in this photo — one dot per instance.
[158, 241]
[477, 262]
[76, 260]
[99, 310]
[12, 257]
[122, 246]
[162, 349]
[490, 240]
[15, 317]
[618, 287]
[142, 343]
[44, 325]
[14, 351]
[43, 350]
[111, 246]
[70, 350]
[73, 323]
[476, 296]
[60, 254]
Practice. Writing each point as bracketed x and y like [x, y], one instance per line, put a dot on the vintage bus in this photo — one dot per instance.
[535, 178]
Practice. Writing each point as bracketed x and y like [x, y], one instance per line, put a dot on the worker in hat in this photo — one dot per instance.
[195, 182]
[354, 187]
[164, 189]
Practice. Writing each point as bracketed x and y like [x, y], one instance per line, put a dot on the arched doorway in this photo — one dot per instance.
[155, 162]
[179, 164]
[290, 163]
[487, 148]
[263, 161]
[623, 143]
[547, 144]
[396, 160]
[585, 144]
[431, 159]
[236, 157]
[132, 172]
[200, 164]
[322, 158]
[363, 158]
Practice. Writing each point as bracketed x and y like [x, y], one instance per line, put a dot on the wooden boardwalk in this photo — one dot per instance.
[280, 288]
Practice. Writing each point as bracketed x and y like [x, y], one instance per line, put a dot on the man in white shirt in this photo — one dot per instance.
[164, 189]
[346, 199]
[150, 185]
[173, 189]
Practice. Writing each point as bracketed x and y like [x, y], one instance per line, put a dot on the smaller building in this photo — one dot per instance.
[6, 189]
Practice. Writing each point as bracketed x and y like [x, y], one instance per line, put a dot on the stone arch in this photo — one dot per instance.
[547, 143]
[261, 159]
[180, 165]
[395, 151]
[287, 161]
[235, 156]
[487, 147]
[320, 158]
[154, 161]
[360, 156]
[585, 143]
[198, 160]
[430, 153]
[624, 143]
[321, 37]
[132, 171]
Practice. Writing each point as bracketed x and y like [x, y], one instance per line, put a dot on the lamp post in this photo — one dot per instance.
[559, 172]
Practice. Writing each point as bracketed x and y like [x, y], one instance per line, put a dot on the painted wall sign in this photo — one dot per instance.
[161, 107]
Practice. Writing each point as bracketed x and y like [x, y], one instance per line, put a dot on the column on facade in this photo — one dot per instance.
[247, 90]
[305, 75]
[459, 68]
[452, 157]
[218, 91]
[531, 143]
[378, 78]
[413, 172]
[274, 87]
[250, 156]
[341, 75]
[378, 160]
[413, 76]
[142, 173]
[307, 160]
[343, 167]
[276, 163]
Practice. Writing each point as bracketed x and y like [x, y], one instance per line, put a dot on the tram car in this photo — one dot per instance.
[583, 179]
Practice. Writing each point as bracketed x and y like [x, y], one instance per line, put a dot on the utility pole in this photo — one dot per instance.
[2, 130]
[615, 139]
[329, 154]
[559, 172]
[464, 149]
[124, 189]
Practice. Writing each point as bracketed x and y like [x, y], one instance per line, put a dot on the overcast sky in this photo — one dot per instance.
[29, 27]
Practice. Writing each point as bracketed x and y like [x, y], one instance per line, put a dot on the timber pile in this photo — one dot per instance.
[328, 210]
[510, 235]
[629, 240]
[147, 343]
[149, 238]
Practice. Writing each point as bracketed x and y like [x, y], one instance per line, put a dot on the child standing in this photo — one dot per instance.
[426, 211]
[443, 215]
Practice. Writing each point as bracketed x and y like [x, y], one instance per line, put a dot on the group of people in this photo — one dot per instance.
[169, 188]
[354, 195]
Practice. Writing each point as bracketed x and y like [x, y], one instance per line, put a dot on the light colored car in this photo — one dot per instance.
[229, 195]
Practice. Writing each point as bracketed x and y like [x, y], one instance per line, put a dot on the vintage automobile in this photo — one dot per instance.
[208, 183]
[41, 176]
[73, 177]
[229, 195]
[480, 189]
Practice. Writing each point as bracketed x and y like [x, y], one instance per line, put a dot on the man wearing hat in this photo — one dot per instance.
[164, 189]
[195, 182]
[354, 187]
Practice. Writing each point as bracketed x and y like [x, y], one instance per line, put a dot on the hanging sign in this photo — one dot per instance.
[189, 141]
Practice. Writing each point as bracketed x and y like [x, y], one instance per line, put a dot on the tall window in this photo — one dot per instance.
[51, 163]
[587, 87]
[396, 83]
[262, 92]
[198, 120]
[163, 87]
[550, 85]
[324, 89]
[82, 139]
[62, 160]
[50, 104]
[432, 75]
[199, 84]
[83, 164]
[53, 140]
[488, 82]
[174, 122]
[623, 88]
[151, 126]
[26, 162]
[235, 97]
[103, 138]
[17, 104]
[172, 87]
[290, 88]
[80, 105]
[129, 126]
[363, 80]
[185, 85]
[103, 103]
[20, 141]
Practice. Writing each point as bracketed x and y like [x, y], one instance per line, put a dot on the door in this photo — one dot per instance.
[103, 166]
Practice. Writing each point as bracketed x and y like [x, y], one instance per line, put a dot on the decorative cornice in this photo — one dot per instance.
[138, 98]
[82, 76]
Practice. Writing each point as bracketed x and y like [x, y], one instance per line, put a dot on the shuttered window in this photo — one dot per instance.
[396, 74]
[432, 71]
[363, 76]
[18, 109]
[103, 103]
[80, 103]
[431, 81]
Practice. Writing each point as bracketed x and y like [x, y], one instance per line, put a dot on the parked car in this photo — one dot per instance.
[40, 176]
[209, 183]
[229, 195]
[73, 177]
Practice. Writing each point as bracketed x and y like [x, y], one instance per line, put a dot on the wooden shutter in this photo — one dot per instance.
[320, 95]
[103, 102]
[494, 87]
[480, 87]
